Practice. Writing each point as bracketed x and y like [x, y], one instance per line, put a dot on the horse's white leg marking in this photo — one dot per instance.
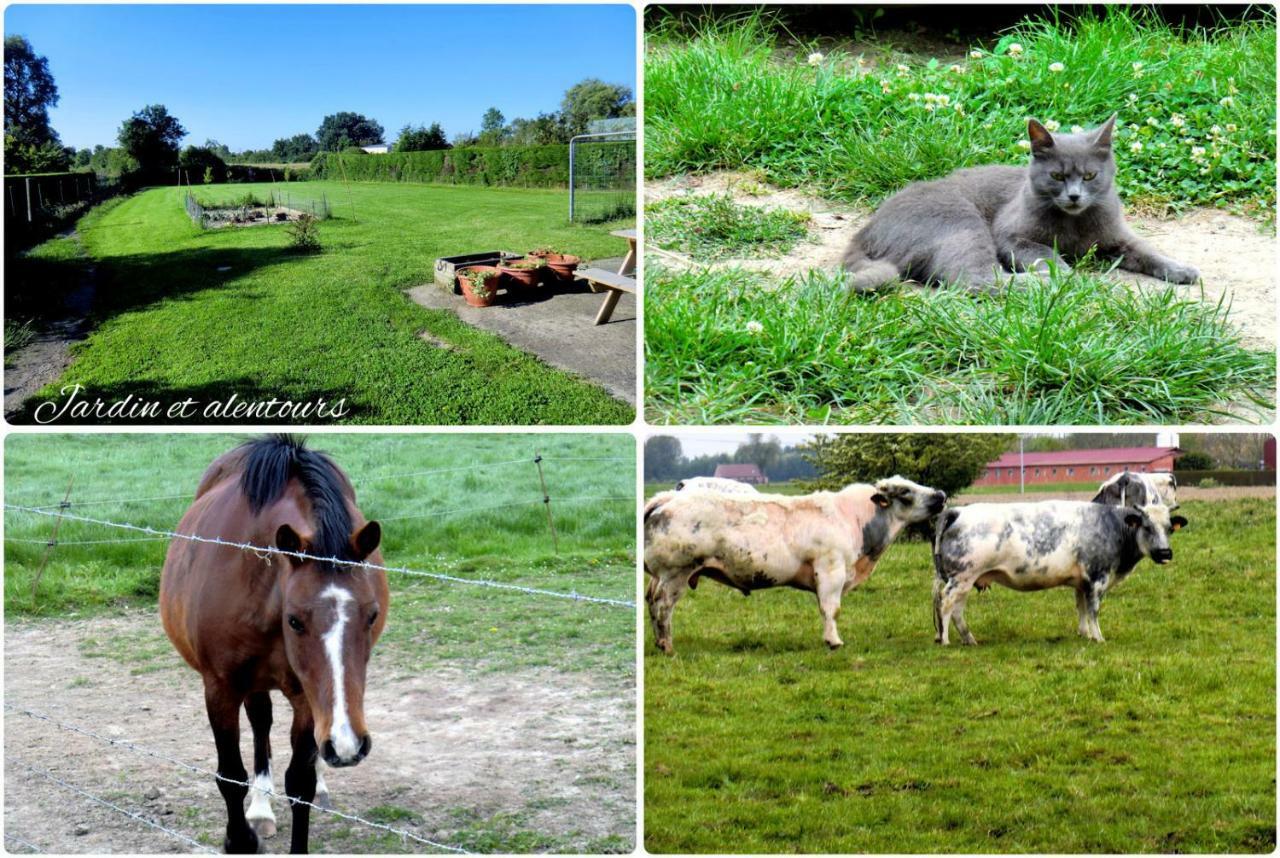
[322, 789]
[260, 804]
[343, 737]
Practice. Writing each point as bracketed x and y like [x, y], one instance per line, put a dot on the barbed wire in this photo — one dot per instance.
[24, 843]
[262, 550]
[49, 776]
[138, 749]
[60, 542]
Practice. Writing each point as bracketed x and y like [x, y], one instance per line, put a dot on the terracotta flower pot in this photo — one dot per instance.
[525, 273]
[563, 265]
[540, 253]
[471, 285]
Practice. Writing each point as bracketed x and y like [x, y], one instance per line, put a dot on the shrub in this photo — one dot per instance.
[1208, 483]
[304, 234]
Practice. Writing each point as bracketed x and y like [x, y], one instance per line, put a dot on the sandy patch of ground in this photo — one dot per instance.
[1236, 257]
[457, 751]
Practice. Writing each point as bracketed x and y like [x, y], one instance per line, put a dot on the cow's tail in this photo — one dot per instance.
[945, 521]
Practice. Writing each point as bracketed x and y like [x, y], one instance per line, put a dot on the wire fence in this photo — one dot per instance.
[602, 176]
[404, 834]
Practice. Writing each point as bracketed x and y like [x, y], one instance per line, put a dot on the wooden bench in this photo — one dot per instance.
[615, 284]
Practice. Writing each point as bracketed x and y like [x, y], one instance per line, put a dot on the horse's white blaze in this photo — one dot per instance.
[345, 743]
[260, 797]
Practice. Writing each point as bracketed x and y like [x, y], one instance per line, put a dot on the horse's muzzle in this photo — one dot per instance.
[331, 757]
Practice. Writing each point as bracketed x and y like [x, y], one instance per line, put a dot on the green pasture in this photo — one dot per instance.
[757, 739]
[182, 312]
[484, 522]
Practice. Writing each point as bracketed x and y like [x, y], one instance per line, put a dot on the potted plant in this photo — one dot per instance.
[540, 253]
[563, 265]
[525, 272]
[480, 285]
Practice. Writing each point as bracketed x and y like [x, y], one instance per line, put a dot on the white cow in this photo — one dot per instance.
[1130, 488]
[1036, 546]
[825, 542]
[716, 484]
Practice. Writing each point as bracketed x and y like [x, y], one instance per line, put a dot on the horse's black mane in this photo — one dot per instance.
[271, 461]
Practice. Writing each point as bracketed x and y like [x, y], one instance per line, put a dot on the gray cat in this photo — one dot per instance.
[963, 228]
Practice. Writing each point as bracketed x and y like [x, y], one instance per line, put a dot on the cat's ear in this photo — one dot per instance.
[1102, 136]
[1041, 139]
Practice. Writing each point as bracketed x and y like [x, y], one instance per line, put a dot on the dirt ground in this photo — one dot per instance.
[454, 754]
[1186, 493]
[1235, 257]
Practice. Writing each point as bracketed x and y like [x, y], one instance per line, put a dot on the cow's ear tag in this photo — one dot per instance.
[1178, 522]
[1133, 520]
[880, 500]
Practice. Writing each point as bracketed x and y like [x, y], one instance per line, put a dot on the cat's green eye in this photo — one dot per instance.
[1057, 177]
[1089, 177]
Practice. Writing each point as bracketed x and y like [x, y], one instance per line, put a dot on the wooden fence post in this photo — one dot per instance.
[53, 540]
[546, 503]
[28, 184]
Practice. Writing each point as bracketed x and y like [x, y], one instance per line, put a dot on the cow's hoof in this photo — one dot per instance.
[834, 646]
[264, 828]
[666, 647]
[970, 641]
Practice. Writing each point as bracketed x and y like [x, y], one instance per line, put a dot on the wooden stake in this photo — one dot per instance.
[53, 540]
[546, 503]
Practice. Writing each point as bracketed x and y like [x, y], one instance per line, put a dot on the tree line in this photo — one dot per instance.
[148, 143]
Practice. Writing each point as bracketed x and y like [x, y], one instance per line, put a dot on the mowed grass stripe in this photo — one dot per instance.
[1163, 739]
[334, 325]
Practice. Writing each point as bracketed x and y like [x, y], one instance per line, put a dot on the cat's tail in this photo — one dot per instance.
[867, 274]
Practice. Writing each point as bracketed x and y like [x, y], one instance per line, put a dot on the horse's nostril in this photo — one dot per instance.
[366, 745]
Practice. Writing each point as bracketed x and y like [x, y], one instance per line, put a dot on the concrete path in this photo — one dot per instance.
[559, 329]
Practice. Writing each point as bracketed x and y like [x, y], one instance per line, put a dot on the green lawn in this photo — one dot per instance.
[757, 739]
[172, 325]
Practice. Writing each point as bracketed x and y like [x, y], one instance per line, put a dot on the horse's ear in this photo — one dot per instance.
[366, 541]
[287, 539]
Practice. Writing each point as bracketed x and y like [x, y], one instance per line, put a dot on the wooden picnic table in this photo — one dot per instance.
[614, 284]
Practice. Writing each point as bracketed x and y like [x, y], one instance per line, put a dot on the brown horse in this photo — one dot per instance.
[251, 622]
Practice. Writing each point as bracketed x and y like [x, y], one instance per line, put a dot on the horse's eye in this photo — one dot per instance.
[1089, 177]
[373, 618]
[1057, 177]
[296, 624]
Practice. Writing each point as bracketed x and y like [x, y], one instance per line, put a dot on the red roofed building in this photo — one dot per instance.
[742, 473]
[1077, 466]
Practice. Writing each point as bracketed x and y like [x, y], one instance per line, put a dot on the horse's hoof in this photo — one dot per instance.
[264, 828]
[323, 801]
[243, 844]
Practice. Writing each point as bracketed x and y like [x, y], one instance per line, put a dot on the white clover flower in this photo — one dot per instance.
[1057, 67]
[956, 69]
[975, 55]
[1177, 120]
[1137, 69]
[754, 327]
[1133, 128]
[1015, 50]
[903, 69]
[930, 98]
[931, 107]
[1024, 144]
[816, 58]
[1227, 101]
[958, 108]
[1232, 128]
[1153, 122]
[1135, 146]
[913, 96]
[1051, 125]
[944, 99]
[1197, 152]
[1133, 98]
[1215, 130]
[1077, 129]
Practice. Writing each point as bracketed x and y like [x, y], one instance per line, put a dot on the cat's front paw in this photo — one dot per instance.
[1176, 272]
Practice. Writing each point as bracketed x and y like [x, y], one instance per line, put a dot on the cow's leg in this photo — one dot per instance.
[223, 705]
[258, 707]
[829, 580]
[300, 777]
[1093, 598]
[938, 584]
[1085, 626]
[957, 617]
[954, 593]
[663, 602]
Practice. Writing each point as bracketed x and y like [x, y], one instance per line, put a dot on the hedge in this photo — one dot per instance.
[257, 173]
[515, 166]
[1226, 477]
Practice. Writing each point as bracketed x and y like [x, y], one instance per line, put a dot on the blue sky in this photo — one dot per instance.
[246, 75]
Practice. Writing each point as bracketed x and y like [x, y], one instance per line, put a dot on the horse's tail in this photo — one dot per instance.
[867, 274]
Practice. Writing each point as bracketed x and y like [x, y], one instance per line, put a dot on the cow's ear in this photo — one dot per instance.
[1178, 522]
[880, 500]
[1133, 519]
[287, 539]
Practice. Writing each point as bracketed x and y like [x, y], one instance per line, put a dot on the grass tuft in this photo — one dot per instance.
[723, 346]
[1197, 115]
[713, 226]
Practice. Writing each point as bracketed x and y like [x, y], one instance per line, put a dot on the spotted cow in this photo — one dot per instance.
[1130, 488]
[825, 542]
[716, 484]
[1036, 546]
